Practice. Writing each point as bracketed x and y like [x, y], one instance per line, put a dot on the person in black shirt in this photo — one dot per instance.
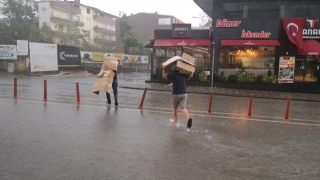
[179, 93]
[114, 87]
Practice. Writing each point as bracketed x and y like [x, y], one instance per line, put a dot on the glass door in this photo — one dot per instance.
[299, 68]
[305, 69]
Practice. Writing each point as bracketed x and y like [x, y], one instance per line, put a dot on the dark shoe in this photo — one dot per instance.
[189, 123]
[116, 104]
[108, 103]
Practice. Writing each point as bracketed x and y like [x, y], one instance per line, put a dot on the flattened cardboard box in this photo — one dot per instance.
[181, 63]
[186, 66]
[104, 81]
[188, 58]
[109, 63]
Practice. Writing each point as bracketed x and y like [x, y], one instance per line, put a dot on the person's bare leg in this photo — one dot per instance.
[185, 113]
[175, 115]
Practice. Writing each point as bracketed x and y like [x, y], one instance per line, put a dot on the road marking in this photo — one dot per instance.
[280, 120]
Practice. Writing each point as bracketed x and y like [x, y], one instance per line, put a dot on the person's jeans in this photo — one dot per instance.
[115, 92]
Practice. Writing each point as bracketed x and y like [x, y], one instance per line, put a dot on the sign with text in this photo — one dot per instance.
[286, 69]
[8, 52]
[181, 30]
[68, 55]
[311, 29]
[43, 57]
[22, 47]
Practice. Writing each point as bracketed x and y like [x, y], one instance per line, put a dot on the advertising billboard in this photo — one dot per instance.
[286, 69]
[43, 57]
[8, 52]
[68, 55]
[22, 47]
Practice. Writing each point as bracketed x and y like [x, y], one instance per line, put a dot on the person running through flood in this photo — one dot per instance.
[179, 93]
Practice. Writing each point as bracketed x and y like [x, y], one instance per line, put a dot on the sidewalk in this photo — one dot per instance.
[227, 92]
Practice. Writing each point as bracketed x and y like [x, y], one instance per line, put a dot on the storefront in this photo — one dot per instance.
[261, 44]
[181, 38]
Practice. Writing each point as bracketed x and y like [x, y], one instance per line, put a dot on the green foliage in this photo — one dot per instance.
[269, 72]
[202, 76]
[269, 79]
[246, 77]
[259, 78]
[132, 43]
[232, 78]
[18, 11]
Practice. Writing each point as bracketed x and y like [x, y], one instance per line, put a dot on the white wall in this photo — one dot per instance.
[44, 18]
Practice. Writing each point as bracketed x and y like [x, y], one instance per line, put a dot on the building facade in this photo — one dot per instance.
[100, 25]
[144, 25]
[278, 35]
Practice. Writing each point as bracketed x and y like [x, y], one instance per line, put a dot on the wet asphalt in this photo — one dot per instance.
[60, 139]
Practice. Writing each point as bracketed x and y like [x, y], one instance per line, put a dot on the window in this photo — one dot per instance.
[69, 16]
[88, 10]
[108, 26]
[89, 32]
[106, 36]
[44, 11]
[76, 18]
[76, 5]
[104, 26]
[88, 22]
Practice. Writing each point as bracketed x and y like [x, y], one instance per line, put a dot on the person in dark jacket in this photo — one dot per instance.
[179, 92]
[114, 87]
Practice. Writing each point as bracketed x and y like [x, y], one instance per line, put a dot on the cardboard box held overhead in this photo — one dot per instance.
[185, 62]
[104, 81]
[109, 63]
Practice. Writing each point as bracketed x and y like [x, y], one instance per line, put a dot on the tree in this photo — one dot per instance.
[18, 11]
[21, 23]
[132, 43]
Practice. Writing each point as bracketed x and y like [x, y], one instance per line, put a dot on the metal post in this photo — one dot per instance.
[212, 65]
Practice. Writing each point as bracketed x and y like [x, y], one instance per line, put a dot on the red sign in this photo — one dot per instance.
[226, 23]
[294, 29]
[249, 34]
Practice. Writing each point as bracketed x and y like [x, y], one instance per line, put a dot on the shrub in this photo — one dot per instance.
[269, 79]
[232, 78]
[259, 78]
[246, 77]
[202, 76]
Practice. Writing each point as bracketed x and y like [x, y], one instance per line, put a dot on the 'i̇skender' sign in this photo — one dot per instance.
[43, 57]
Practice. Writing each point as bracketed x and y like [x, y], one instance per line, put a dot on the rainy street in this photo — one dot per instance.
[60, 139]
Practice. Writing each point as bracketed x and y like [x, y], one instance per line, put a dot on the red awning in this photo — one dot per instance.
[266, 42]
[310, 47]
[182, 42]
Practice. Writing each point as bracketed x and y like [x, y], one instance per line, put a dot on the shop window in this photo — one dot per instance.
[201, 54]
[256, 57]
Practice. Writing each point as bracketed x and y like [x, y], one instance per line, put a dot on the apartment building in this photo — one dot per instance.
[99, 24]
[144, 25]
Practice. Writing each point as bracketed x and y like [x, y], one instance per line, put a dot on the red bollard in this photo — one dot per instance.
[286, 118]
[15, 88]
[250, 106]
[78, 93]
[210, 103]
[142, 100]
[45, 90]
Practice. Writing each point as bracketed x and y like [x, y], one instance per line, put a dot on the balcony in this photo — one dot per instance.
[104, 19]
[103, 30]
[65, 7]
[62, 20]
[104, 41]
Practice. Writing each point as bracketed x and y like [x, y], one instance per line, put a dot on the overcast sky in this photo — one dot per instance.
[184, 10]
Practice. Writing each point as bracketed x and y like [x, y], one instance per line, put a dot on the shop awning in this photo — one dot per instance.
[310, 47]
[181, 42]
[266, 42]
